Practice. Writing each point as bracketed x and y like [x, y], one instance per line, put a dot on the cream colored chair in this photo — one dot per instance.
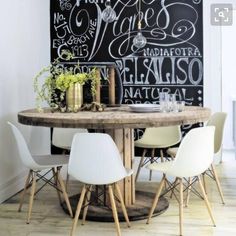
[62, 137]
[156, 138]
[95, 160]
[36, 164]
[217, 120]
[194, 156]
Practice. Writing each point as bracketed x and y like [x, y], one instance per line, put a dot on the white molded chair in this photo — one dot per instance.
[194, 156]
[218, 121]
[95, 160]
[157, 138]
[36, 164]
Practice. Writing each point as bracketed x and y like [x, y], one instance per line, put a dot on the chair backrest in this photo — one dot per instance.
[162, 136]
[218, 120]
[195, 153]
[23, 149]
[95, 159]
[62, 137]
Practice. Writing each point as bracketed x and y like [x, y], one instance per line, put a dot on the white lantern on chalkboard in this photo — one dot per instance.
[108, 14]
[139, 40]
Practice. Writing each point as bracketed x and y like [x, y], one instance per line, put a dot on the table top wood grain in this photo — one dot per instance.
[113, 118]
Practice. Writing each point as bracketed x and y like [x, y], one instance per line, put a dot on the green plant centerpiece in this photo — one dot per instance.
[60, 83]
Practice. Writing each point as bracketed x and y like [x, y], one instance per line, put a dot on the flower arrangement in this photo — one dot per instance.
[63, 81]
[57, 79]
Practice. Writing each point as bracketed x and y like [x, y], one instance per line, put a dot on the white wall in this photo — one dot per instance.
[25, 48]
[218, 57]
[229, 78]
[212, 59]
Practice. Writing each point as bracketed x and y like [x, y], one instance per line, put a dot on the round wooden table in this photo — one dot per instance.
[119, 122]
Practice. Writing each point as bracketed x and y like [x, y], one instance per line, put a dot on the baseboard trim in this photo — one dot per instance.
[12, 186]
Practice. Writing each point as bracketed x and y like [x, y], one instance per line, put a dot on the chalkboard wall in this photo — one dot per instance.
[172, 59]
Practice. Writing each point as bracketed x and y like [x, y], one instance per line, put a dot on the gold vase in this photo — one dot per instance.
[74, 97]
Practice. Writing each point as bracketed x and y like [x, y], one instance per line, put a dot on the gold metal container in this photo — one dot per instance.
[74, 97]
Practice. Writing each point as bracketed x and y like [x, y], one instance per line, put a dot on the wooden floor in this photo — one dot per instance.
[49, 219]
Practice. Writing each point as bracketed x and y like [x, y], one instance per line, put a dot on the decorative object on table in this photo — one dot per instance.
[94, 106]
[163, 101]
[144, 108]
[62, 88]
[97, 87]
[108, 14]
[74, 97]
[139, 40]
[169, 103]
[111, 79]
[180, 105]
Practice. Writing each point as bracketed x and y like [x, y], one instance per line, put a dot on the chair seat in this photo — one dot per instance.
[128, 173]
[50, 161]
[161, 166]
[159, 137]
[172, 151]
[141, 144]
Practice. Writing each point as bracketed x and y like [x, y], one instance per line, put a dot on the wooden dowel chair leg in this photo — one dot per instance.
[140, 164]
[32, 192]
[152, 160]
[218, 183]
[122, 204]
[180, 206]
[155, 201]
[114, 211]
[67, 181]
[188, 191]
[162, 155]
[67, 175]
[206, 201]
[64, 192]
[79, 205]
[24, 191]
[86, 203]
[56, 183]
[204, 182]
[172, 191]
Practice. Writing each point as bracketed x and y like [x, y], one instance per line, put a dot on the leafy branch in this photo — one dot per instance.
[57, 79]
